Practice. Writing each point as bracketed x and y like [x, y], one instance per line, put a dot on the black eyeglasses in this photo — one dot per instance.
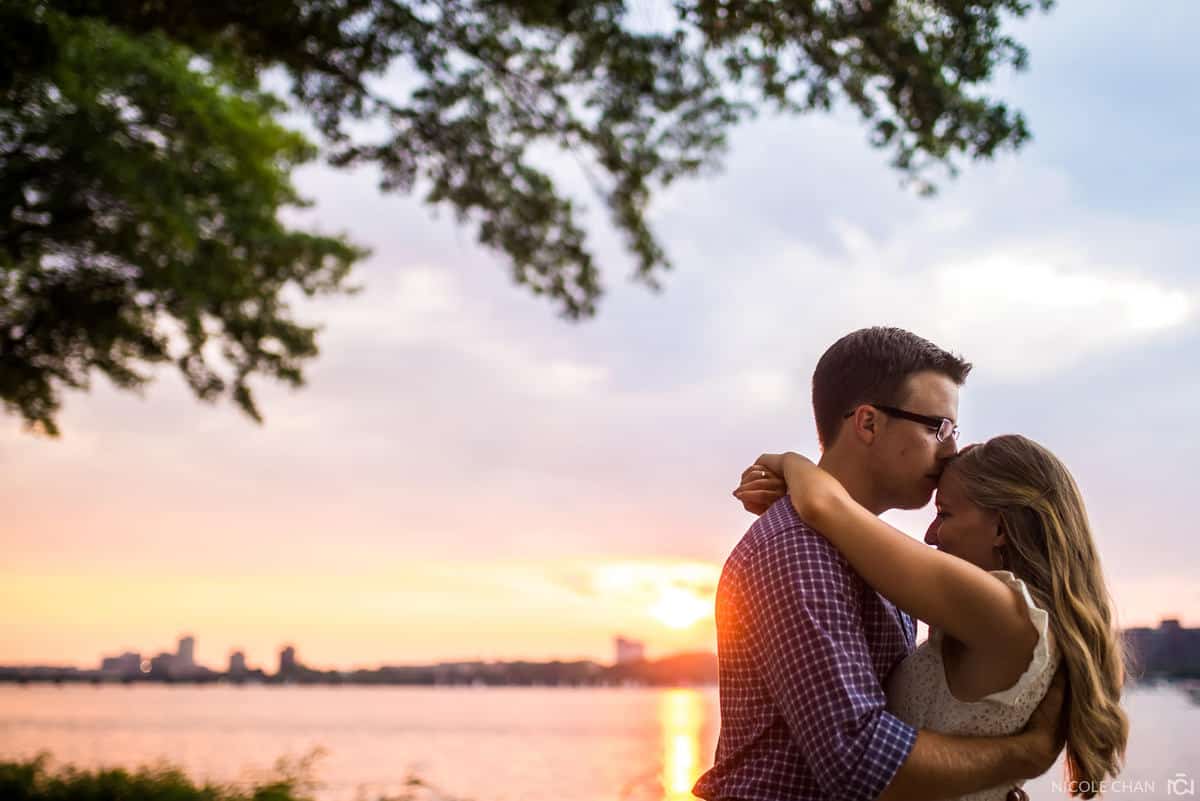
[942, 427]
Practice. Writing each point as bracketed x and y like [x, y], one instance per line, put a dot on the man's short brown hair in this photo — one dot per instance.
[871, 365]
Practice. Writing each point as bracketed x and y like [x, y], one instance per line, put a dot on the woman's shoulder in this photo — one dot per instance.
[1037, 640]
[1023, 621]
[1017, 585]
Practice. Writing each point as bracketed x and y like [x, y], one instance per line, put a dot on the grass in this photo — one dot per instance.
[35, 780]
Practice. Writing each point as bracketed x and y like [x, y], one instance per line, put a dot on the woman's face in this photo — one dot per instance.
[963, 529]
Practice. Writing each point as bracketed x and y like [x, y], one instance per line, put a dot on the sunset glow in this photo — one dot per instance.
[680, 608]
[391, 612]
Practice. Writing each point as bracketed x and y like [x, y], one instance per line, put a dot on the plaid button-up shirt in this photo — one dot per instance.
[803, 646]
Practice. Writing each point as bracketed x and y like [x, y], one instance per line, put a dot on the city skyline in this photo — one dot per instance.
[629, 665]
[182, 663]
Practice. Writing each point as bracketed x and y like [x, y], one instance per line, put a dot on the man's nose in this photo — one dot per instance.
[947, 448]
[931, 537]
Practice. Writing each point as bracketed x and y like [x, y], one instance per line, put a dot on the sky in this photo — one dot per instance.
[468, 476]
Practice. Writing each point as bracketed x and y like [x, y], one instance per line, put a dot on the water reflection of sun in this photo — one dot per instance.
[681, 713]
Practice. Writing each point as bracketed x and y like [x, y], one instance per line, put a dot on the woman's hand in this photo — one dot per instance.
[773, 474]
[760, 485]
[811, 489]
[1046, 728]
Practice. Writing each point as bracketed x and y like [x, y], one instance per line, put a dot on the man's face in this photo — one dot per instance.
[908, 460]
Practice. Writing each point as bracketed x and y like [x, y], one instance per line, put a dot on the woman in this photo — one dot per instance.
[1013, 588]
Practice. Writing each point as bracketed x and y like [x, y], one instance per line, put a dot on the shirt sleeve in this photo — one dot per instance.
[803, 615]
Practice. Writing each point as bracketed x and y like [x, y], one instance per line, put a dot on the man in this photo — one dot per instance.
[805, 645]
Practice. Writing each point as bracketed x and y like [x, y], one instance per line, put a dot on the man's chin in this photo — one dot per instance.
[911, 506]
[917, 501]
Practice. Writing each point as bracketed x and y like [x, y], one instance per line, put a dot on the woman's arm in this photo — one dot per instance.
[945, 591]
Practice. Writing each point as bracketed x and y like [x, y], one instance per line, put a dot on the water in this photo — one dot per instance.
[488, 744]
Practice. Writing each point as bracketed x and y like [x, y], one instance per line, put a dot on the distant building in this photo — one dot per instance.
[186, 656]
[162, 666]
[1169, 650]
[127, 665]
[629, 651]
[237, 664]
[287, 661]
[182, 664]
[179, 665]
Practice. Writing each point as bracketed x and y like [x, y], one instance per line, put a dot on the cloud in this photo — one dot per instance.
[422, 307]
[1022, 304]
[1023, 316]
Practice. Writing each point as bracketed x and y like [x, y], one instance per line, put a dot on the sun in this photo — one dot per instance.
[679, 608]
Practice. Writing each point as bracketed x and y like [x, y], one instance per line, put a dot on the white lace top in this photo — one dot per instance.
[918, 694]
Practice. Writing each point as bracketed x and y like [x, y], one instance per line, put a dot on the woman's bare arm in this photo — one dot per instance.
[945, 591]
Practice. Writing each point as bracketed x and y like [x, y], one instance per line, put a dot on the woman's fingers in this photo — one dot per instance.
[760, 492]
[757, 472]
[755, 504]
[759, 489]
[758, 498]
[775, 485]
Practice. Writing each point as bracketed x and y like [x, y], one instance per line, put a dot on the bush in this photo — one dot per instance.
[33, 780]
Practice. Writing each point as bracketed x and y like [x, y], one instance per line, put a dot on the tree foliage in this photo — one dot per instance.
[142, 168]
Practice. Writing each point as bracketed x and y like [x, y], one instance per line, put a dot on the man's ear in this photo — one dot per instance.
[865, 422]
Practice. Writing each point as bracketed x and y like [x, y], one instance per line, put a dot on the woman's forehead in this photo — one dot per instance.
[949, 486]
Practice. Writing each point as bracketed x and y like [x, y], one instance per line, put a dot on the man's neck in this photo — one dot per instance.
[847, 469]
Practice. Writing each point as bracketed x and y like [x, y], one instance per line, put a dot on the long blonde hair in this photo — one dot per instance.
[1049, 546]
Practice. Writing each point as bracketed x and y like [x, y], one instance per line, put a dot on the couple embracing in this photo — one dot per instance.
[825, 694]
